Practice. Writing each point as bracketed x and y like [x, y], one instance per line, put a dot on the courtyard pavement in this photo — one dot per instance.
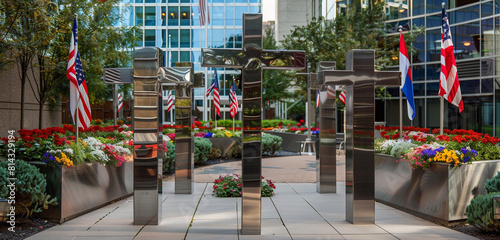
[296, 211]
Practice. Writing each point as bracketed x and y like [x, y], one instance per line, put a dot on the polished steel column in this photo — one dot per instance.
[361, 79]
[147, 137]
[326, 160]
[251, 60]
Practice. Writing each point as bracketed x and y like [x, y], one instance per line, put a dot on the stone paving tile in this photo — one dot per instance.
[384, 236]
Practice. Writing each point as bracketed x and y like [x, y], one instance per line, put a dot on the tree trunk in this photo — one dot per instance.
[40, 113]
[23, 84]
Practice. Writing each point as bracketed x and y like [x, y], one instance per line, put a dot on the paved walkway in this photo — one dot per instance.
[296, 212]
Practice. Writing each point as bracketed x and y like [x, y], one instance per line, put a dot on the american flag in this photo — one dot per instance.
[78, 93]
[209, 89]
[342, 97]
[170, 101]
[215, 87]
[330, 92]
[233, 106]
[204, 11]
[449, 87]
[120, 103]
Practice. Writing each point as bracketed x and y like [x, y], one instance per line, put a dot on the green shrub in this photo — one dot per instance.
[215, 153]
[401, 148]
[30, 189]
[493, 184]
[271, 143]
[169, 158]
[202, 148]
[4, 174]
[230, 186]
[480, 213]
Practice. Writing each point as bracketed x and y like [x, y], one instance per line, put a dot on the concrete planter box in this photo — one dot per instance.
[290, 140]
[439, 194]
[223, 144]
[83, 188]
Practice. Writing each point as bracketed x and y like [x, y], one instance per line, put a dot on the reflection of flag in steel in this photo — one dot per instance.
[317, 98]
[330, 92]
[120, 103]
[449, 87]
[170, 101]
[216, 93]
[342, 97]
[406, 83]
[78, 93]
[233, 106]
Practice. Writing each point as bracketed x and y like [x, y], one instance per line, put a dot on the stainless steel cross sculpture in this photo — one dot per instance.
[326, 158]
[360, 79]
[251, 60]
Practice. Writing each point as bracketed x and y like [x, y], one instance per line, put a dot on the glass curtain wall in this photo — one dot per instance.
[475, 28]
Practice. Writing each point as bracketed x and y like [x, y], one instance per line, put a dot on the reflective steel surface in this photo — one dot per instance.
[251, 60]
[360, 78]
[326, 160]
[147, 136]
[439, 193]
[180, 79]
[83, 188]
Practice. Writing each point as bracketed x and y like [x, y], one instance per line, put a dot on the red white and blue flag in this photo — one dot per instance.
[204, 13]
[342, 97]
[120, 103]
[170, 101]
[215, 88]
[233, 106]
[407, 82]
[449, 87]
[330, 92]
[78, 93]
[317, 98]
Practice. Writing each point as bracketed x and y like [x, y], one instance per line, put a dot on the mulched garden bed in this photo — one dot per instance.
[475, 232]
[24, 228]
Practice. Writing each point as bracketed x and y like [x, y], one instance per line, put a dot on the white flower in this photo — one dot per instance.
[166, 138]
[122, 150]
[68, 151]
[100, 155]
[93, 143]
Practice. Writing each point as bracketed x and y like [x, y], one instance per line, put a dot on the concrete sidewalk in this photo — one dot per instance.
[297, 211]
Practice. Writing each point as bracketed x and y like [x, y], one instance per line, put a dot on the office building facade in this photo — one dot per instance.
[175, 25]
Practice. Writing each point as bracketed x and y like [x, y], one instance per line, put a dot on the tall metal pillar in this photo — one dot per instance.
[326, 157]
[147, 137]
[360, 78]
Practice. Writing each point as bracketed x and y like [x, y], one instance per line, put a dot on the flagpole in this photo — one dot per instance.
[77, 119]
[400, 99]
[441, 116]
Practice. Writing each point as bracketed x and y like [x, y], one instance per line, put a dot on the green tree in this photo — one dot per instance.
[275, 82]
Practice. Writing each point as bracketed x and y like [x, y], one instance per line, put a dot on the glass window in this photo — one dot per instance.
[150, 15]
[149, 1]
[218, 38]
[393, 91]
[238, 38]
[217, 15]
[185, 56]
[255, 1]
[229, 39]
[238, 15]
[419, 22]
[434, 5]
[433, 71]
[497, 34]
[174, 38]
[486, 9]
[185, 1]
[419, 89]
[185, 38]
[434, 21]
[433, 107]
[138, 1]
[218, 1]
[418, 7]
[419, 113]
[140, 35]
[419, 45]
[477, 114]
[173, 16]
[396, 9]
[198, 38]
[229, 15]
[139, 18]
[128, 16]
[434, 45]
[485, 40]
[149, 38]
[487, 67]
[164, 38]
[173, 1]
[432, 89]
[464, 14]
[255, 9]
[470, 86]
[163, 19]
[175, 57]
[195, 12]
[487, 85]
[196, 56]
[241, 1]
[463, 40]
[418, 72]
[185, 16]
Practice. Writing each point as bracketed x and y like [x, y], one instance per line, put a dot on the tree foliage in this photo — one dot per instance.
[358, 28]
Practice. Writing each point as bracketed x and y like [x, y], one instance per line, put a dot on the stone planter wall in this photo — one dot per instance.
[83, 188]
[290, 140]
[439, 193]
